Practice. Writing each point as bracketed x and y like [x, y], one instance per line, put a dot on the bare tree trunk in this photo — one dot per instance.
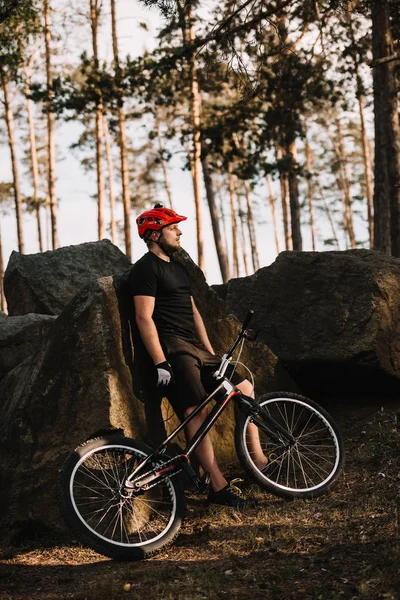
[110, 179]
[163, 165]
[242, 235]
[364, 138]
[232, 198]
[221, 252]
[222, 218]
[328, 213]
[367, 172]
[273, 211]
[284, 183]
[189, 37]
[95, 8]
[14, 166]
[309, 167]
[252, 229]
[126, 201]
[34, 163]
[345, 178]
[387, 134]
[297, 241]
[3, 306]
[50, 128]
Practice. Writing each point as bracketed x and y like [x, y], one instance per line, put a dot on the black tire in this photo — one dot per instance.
[311, 465]
[90, 485]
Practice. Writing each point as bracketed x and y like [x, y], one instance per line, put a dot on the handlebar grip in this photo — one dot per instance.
[247, 320]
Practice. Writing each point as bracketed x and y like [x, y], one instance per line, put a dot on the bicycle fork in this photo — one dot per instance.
[254, 410]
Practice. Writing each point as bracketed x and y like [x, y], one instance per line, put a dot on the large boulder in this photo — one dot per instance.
[333, 318]
[87, 377]
[44, 283]
[75, 385]
[20, 337]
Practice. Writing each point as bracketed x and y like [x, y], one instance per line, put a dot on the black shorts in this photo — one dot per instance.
[193, 367]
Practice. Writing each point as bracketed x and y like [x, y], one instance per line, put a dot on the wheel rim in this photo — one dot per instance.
[311, 462]
[95, 486]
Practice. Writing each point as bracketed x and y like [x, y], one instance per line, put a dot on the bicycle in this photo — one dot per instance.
[126, 500]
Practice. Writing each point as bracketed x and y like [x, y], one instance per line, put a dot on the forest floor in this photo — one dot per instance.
[345, 544]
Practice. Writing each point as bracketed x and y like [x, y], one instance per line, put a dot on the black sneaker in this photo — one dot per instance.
[231, 495]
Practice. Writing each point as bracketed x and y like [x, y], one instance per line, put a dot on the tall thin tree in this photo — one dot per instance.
[33, 152]
[110, 179]
[95, 8]
[50, 127]
[14, 165]
[189, 37]
[126, 201]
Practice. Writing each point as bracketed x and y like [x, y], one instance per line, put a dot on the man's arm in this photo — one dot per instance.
[200, 328]
[144, 308]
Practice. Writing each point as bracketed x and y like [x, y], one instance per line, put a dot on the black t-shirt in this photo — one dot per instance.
[169, 284]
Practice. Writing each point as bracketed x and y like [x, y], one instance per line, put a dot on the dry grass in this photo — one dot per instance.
[343, 545]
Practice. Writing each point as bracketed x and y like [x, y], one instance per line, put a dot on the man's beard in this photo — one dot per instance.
[167, 248]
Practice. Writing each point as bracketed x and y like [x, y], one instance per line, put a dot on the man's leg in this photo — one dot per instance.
[205, 451]
[255, 449]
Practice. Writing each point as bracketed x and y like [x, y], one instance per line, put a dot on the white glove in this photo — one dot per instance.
[164, 373]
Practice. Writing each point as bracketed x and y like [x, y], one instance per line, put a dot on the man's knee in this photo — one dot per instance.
[246, 387]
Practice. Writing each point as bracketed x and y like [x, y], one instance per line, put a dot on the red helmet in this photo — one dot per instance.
[156, 218]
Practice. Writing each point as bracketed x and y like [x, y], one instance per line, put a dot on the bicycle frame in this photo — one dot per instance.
[143, 482]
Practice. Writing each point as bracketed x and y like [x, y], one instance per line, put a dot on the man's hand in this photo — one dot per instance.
[165, 373]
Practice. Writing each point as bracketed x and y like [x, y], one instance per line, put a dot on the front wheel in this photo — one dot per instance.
[103, 514]
[303, 468]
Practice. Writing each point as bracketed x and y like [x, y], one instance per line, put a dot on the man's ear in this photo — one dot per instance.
[155, 236]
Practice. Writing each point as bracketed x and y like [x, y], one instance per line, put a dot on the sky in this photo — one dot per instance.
[77, 212]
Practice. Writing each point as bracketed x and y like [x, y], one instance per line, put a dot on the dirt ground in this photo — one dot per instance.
[345, 544]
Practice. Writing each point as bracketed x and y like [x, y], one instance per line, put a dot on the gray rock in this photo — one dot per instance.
[76, 384]
[88, 376]
[20, 337]
[44, 283]
[332, 317]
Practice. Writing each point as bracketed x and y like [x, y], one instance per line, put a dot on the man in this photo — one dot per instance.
[176, 339]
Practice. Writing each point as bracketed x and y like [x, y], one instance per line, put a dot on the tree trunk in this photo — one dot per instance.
[232, 198]
[242, 235]
[221, 252]
[309, 167]
[328, 214]
[110, 180]
[50, 129]
[189, 37]
[345, 179]
[294, 197]
[34, 163]
[364, 138]
[126, 201]
[387, 134]
[2, 297]
[163, 165]
[14, 166]
[94, 21]
[367, 172]
[271, 199]
[252, 229]
[284, 184]
[222, 217]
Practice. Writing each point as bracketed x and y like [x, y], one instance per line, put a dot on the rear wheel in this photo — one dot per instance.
[104, 515]
[305, 468]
